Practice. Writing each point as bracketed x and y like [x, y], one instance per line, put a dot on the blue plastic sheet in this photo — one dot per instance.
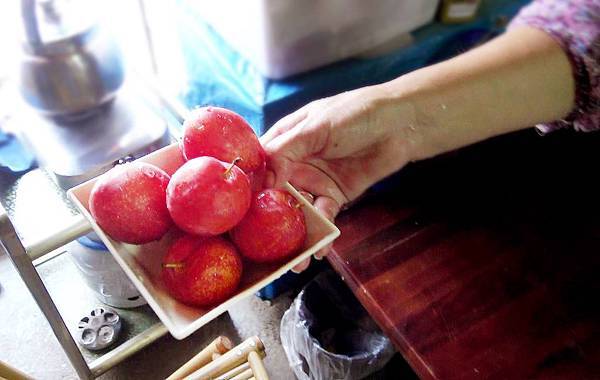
[14, 158]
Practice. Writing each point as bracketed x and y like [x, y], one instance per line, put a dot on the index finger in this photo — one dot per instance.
[283, 125]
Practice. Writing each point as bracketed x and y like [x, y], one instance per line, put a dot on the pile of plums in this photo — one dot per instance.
[215, 198]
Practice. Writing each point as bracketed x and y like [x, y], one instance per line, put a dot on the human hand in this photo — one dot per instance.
[336, 148]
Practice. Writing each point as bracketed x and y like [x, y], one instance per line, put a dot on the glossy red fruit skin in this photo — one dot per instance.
[273, 228]
[129, 203]
[210, 271]
[203, 200]
[223, 134]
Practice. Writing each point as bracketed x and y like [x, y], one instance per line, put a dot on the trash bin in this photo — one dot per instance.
[327, 334]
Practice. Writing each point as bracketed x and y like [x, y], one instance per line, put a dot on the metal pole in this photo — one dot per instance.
[75, 229]
[126, 349]
[22, 262]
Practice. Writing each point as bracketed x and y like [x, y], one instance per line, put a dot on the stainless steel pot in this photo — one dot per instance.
[66, 69]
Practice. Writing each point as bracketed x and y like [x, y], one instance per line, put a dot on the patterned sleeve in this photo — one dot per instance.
[575, 25]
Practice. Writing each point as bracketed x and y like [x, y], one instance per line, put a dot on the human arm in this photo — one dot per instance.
[520, 79]
[336, 148]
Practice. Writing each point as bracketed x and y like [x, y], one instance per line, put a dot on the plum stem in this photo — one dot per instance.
[235, 161]
[173, 265]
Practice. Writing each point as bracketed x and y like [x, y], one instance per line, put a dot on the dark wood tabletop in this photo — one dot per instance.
[485, 263]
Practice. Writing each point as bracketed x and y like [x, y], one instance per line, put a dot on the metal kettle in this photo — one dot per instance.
[69, 65]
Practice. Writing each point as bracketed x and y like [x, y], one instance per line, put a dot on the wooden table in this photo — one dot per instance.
[485, 263]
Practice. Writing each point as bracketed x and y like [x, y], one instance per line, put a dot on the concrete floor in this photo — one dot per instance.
[27, 343]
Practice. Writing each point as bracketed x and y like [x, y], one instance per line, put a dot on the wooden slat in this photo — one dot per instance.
[494, 275]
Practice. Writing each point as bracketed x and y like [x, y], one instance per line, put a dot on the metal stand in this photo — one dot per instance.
[22, 261]
[17, 253]
[27, 258]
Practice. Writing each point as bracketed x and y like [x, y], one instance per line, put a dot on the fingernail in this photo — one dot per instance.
[301, 266]
[322, 253]
[297, 271]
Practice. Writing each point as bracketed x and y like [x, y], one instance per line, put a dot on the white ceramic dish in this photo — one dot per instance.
[142, 263]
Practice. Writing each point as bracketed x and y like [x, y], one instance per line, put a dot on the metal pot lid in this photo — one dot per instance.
[57, 26]
[66, 45]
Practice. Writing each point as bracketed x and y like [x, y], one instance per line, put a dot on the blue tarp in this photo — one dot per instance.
[14, 158]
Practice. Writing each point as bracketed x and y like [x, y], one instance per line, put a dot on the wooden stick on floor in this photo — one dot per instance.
[247, 374]
[11, 373]
[234, 372]
[257, 366]
[218, 346]
[229, 360]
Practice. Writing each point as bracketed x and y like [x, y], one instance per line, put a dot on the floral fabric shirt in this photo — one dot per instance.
[575, 25]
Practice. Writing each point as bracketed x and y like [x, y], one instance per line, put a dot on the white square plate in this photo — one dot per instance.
[142, 263]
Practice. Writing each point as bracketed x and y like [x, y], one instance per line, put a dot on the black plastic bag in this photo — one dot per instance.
[327, 334]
